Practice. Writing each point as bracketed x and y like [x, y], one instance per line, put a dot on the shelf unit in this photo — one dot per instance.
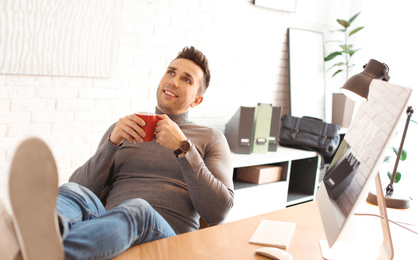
[297, 184]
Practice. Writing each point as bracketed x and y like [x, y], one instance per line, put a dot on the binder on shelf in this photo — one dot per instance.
[262, 123]
[240, 129]
[276, 118]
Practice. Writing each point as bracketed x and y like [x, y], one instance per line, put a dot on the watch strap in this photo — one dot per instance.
[178, 152]
[185, 146]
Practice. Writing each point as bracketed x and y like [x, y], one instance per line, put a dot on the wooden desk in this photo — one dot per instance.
[230, 240]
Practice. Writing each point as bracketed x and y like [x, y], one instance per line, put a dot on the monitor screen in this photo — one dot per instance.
[356, 162]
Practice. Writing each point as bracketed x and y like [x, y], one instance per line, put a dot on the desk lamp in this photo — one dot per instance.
[357, 88]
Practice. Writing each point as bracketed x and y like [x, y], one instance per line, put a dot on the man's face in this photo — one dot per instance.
[178, 88]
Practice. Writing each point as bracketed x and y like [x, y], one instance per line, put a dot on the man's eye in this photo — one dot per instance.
[170, 72]
[187, 80]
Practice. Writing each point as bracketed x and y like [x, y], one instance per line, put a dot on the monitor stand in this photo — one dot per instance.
[346, 250]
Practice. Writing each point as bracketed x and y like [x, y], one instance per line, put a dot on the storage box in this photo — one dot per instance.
[342, 110]
[259, 174]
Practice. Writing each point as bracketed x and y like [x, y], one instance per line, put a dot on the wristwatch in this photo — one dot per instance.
[184, 148]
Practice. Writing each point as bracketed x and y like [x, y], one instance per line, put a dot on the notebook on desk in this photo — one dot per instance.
[273, 233]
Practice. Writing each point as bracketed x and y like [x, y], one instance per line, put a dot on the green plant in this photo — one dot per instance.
[403, 157]
[346, 49]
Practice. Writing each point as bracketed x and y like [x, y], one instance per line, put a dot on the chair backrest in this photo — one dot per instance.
[203, 224]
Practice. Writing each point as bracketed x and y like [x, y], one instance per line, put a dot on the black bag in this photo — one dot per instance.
[309, 133]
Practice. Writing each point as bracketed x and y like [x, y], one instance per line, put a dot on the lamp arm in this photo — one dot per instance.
[389, 188]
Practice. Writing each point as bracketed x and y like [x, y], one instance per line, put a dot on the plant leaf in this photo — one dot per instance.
[404, 154]
[335, 65]
[340, 30]
[354, 17]
[356, 30]
[351, 52]
[397, 177]
[346, 47]
[344, 23]
[338, 71]
[332, 55]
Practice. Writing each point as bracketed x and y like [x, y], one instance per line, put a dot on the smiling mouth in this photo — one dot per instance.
[169, 93]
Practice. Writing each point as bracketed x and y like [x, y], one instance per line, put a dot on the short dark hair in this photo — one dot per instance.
[193, 54]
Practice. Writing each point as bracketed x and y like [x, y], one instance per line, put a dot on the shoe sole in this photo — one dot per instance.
[9, 246]
[33, 188]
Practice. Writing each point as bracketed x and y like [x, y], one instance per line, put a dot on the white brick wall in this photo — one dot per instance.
[245, 44]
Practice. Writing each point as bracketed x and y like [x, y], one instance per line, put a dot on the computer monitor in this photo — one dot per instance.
[355, 165]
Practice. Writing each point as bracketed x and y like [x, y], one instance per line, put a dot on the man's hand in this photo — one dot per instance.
[168, 133]
[128, 128]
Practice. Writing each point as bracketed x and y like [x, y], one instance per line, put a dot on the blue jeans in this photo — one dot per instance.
[89, 232]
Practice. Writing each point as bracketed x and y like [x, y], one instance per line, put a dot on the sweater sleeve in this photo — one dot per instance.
[209, 179]
[95, 171]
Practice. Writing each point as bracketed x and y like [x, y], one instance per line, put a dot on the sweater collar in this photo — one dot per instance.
[179, 119]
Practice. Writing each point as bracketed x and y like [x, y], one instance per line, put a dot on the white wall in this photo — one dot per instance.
[245, 44]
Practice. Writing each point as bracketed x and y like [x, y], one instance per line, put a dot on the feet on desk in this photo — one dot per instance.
[33, 188]
[9, 246]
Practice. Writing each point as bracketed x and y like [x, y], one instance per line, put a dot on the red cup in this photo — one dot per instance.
[149, 128]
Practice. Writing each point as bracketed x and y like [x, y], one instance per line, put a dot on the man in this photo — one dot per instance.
[151, 190]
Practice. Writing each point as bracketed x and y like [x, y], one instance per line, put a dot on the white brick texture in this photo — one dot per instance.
[245, 44]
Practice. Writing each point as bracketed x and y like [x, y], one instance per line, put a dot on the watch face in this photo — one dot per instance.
[185, 146]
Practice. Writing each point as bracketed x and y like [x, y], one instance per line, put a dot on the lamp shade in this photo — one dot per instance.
[357, 87]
